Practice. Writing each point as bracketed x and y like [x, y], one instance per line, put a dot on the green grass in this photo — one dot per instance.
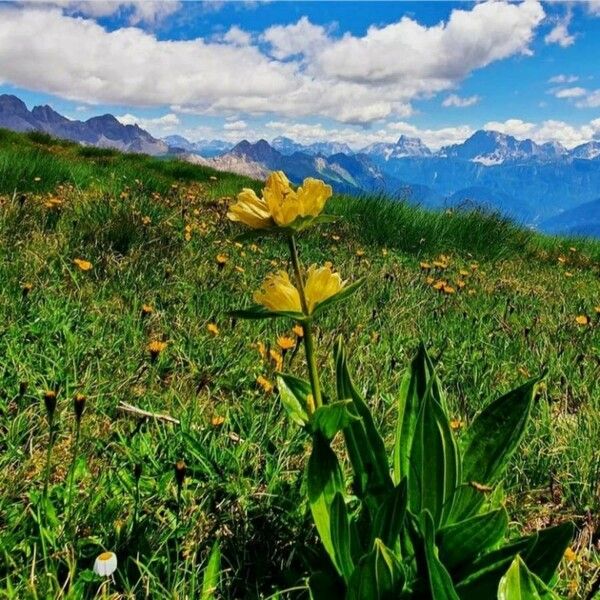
[77, 331]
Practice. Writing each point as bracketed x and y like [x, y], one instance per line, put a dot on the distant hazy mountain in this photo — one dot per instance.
[287, 146]
[587, 151]
[581, 220]
[103, 131]
[405, 146]
[206, 148]
[346, 173]
[494, 148]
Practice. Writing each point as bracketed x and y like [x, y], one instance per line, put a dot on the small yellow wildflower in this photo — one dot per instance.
[582, 320]
[217, 420]
[146, 310]
[597, 309]
[84, 265]
[240, 269]
[222, 260]
[299, 330]
[213, 329]
[570, 555]
[264, 383]
[276, 359]
[456, 424]
[285, 343]
[425, 266]
[448, 289]
[360, 253]
[155, 347]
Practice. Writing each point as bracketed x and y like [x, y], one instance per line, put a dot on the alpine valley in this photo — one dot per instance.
[544, 186]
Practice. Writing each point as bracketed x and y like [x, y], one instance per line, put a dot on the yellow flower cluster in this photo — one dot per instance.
[279, 294]
[280, 204]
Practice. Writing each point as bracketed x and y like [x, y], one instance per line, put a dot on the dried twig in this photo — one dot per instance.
[134, 410]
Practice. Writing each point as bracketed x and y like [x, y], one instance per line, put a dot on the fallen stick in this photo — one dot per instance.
[145, 414]
[134, 410]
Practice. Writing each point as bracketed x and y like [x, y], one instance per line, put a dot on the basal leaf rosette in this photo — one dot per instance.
[279, 297]
[281, 209]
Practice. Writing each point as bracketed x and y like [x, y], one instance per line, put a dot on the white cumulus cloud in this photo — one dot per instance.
[458, 102]
[573, 92]
[292, 71]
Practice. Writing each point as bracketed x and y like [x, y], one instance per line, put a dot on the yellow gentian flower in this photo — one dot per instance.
[280, 204]
[279, 294]
[321, 284]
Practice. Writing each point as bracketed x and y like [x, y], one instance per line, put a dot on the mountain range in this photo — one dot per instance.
[544, 186]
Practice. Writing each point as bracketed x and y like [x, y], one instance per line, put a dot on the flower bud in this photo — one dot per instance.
[79, 406]
[180, 470]
[50, 402]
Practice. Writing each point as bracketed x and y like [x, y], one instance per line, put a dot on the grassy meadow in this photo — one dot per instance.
[103, 254]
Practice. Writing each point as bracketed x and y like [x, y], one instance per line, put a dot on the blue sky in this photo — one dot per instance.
[358, 72]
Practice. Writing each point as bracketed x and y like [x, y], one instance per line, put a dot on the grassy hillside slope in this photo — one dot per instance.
[495, 304]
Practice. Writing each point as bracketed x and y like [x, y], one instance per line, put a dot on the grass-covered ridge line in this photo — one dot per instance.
[155, 234]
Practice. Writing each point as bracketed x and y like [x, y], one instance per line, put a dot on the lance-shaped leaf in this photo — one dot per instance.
[340, 536]
[460, 543]
[434, 580]
[365, 446]
[210, 579]
[323, 481]
[293, 392]
[256, 311]
[545, 554]
[495, 433]
[297, 226]
[389, 519]
[410, 398]
[434, 462]
[379, 576]
[333, 417]
[519, 583]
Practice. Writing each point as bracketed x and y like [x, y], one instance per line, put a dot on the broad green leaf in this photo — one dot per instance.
[346, 292]
[481, 577]
[293, 393]
[435, 580]
[434, 462]
[460, 543]
[333, 417]
[323, 481]
[410, 398]
[365, 446]
[256, 311]
[210, 580]
[389, 519]
[340, 536]
[545, 554]
[379, 576]
[495, 434]
[519, 583]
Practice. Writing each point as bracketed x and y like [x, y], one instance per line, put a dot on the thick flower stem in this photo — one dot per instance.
[309, 345]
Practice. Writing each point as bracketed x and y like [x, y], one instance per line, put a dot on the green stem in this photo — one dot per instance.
[309, 345]
[48, 458]
[72, 473]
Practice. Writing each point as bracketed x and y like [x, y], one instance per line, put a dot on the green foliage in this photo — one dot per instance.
[85, 332]
[413, 529]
